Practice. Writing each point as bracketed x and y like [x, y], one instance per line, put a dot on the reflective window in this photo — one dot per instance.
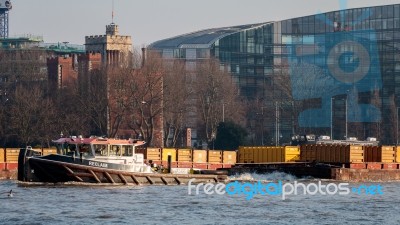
[100, 150]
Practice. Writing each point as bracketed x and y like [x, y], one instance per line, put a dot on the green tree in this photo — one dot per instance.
[229, 136]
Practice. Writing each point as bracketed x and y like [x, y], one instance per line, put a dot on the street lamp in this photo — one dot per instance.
[397, 126]
[276, 124]
[223, 112]
[346, 113]
[262, 125]
[332, 118]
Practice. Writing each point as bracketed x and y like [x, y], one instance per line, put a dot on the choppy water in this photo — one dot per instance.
[173, 205]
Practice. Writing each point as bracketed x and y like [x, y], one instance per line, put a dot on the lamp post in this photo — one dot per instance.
[276, 124]
[262, 126]
[397, 125]
[346, 115]
[332, 118]
[223, 112]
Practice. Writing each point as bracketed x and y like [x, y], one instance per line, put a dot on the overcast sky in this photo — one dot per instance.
[151, 20]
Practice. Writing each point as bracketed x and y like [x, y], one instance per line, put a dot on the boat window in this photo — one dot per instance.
[127, 150]
[85, 149]
[60, 149]
[115, 150]
[70, 149]
[100, 150]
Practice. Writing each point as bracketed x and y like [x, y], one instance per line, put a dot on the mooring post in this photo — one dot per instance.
[169, 163]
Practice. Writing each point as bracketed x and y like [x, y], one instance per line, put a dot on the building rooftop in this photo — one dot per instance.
[202, 38]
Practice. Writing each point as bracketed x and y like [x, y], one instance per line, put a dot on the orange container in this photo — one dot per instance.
[2, 155]
[153, 154]
[229, 157]
[49, 151]
[12, 155]
[387, 154]
[214, 156]
[354, 154]
[199, 156]
[398, 154]
[184, 155]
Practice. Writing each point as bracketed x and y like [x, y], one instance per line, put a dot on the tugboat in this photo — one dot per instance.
[97, 161]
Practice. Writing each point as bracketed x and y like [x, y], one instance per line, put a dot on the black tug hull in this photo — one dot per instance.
[33, 168]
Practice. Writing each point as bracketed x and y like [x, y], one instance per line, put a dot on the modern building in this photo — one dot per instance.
[335, 73]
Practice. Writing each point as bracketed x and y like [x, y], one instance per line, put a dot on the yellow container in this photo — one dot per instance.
[252, 154]
[280, 152]
[2, 155]
[12, 155]
[269, 154]
[150, 153]
[49, 151]
[214, 156]
[354, 154]
[261, 154]
[229, 157]
[291, 153]
[241, 154]
[169, 151]
[387, 154]
[199, 156]
[398, 154]
[184, 155]
[248, 155]
[153, 154]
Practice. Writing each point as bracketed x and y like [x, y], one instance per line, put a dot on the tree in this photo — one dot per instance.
[230, 136]
[176, 95]
[146, 100]
[217, 98]
[32, 115]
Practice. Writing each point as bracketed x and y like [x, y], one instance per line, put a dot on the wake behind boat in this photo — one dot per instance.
[97, 160]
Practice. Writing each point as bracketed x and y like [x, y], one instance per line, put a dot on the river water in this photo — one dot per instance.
[71, 204]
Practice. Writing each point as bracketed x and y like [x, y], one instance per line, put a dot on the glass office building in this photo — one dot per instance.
[336, 73]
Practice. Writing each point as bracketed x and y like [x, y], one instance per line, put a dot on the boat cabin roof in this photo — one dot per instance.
[98, 141]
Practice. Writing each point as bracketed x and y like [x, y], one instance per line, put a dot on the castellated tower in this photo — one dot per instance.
[115, 49]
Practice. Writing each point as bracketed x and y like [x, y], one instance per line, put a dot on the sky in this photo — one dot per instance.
[148, 21]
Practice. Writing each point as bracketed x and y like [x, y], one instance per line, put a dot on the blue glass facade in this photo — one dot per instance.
[336, 73]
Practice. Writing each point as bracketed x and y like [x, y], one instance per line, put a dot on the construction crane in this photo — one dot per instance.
[5, 7]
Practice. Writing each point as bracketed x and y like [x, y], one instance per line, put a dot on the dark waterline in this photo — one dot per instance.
[173, 205]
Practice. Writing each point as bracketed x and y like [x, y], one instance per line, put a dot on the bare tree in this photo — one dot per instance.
[217, 98]
[146, 100]
[32, 115]
[176, 92]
